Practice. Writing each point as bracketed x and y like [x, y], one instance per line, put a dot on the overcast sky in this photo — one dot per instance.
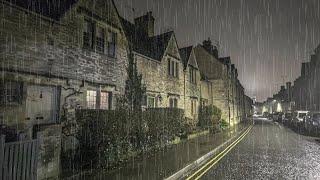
[266, 39]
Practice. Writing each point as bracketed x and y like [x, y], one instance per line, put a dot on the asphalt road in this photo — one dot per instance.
[270, 151]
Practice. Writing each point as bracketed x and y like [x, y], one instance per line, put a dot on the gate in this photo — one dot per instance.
[18, 160]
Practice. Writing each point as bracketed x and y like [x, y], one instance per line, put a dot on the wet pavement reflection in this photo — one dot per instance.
[270, 151]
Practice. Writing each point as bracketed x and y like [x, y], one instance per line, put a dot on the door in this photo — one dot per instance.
[42, 104]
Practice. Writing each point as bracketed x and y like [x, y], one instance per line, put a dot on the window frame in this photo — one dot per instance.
[154, 102]
[8, 96]
[100, 42]
[192, 75]
[193, 108]
[98, 100]
[112, 43]
[173, 102]
[173, 67]
[91, 34]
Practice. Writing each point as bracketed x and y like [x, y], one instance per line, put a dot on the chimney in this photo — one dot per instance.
[303, 69]
[289, 91]
[282, 88]
[288, 85]
[215, 52]
[146, 23]
[207, 44]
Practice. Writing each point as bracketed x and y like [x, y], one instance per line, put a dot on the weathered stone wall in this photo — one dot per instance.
[39, 51]
[192, 91]
[157, 80]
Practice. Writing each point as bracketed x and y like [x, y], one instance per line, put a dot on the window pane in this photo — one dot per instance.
[191, 107]
[104, 100]
[11, 92]
[91, 99]
[112, 37]
[175, 103]
[177, 70]
[169, 67]
[151, 102]
[87, 34]
[100, 40]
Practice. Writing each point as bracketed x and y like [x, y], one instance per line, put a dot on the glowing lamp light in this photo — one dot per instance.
[279, 107]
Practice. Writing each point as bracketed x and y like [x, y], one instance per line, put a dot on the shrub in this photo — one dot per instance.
[209, 116]
[107, 137]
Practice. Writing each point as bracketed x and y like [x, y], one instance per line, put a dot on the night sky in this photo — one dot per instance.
[266, 39]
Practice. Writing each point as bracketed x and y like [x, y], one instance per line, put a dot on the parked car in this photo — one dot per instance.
[298, 118]
[286, 118]
[276, 116]
[312, 122]
[265, 114]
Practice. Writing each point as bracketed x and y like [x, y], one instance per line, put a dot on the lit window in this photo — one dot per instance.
[105, 100]
[91, 99]
[100, 40]
[112, 38]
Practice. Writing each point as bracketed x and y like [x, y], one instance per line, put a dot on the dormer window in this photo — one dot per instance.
[173, 68]
[193, 75]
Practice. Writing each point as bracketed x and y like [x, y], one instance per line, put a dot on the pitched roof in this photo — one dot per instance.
[53, 9]
[185, 55]
[153, 47]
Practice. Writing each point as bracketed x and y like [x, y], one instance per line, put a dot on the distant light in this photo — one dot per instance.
[279, 107]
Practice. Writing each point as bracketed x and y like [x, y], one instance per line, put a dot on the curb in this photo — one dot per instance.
[182, 173]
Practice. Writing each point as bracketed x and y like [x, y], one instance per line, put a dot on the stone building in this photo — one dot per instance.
[56, 58]
[192, 84]
[158, 61]
[216, 77]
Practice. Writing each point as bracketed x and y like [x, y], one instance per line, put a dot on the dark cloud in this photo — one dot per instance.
[266, 39]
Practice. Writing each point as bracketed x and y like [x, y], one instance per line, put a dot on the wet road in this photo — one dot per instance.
[270, 151]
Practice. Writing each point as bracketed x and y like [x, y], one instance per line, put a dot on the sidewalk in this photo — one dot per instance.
[168, 161]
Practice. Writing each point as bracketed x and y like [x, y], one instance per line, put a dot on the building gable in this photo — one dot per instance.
[172, 48]
[193, 60]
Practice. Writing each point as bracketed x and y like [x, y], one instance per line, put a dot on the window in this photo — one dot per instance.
[91, 99]
[173, 102]
[192, 75]
[105, 100]
[173, 68]
[99, 100]
[88, 33]
[112, 37]
[11, 93]
[100, 40]
[151, 102]
[193, 106]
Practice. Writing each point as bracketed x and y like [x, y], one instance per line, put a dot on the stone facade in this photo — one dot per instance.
[45, 56]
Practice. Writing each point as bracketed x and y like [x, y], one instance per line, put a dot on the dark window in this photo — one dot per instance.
[173, 68]
[11, 93]
[100, 39]
[88, 33]
[112, 38]
[173, 102]
[193, 75]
